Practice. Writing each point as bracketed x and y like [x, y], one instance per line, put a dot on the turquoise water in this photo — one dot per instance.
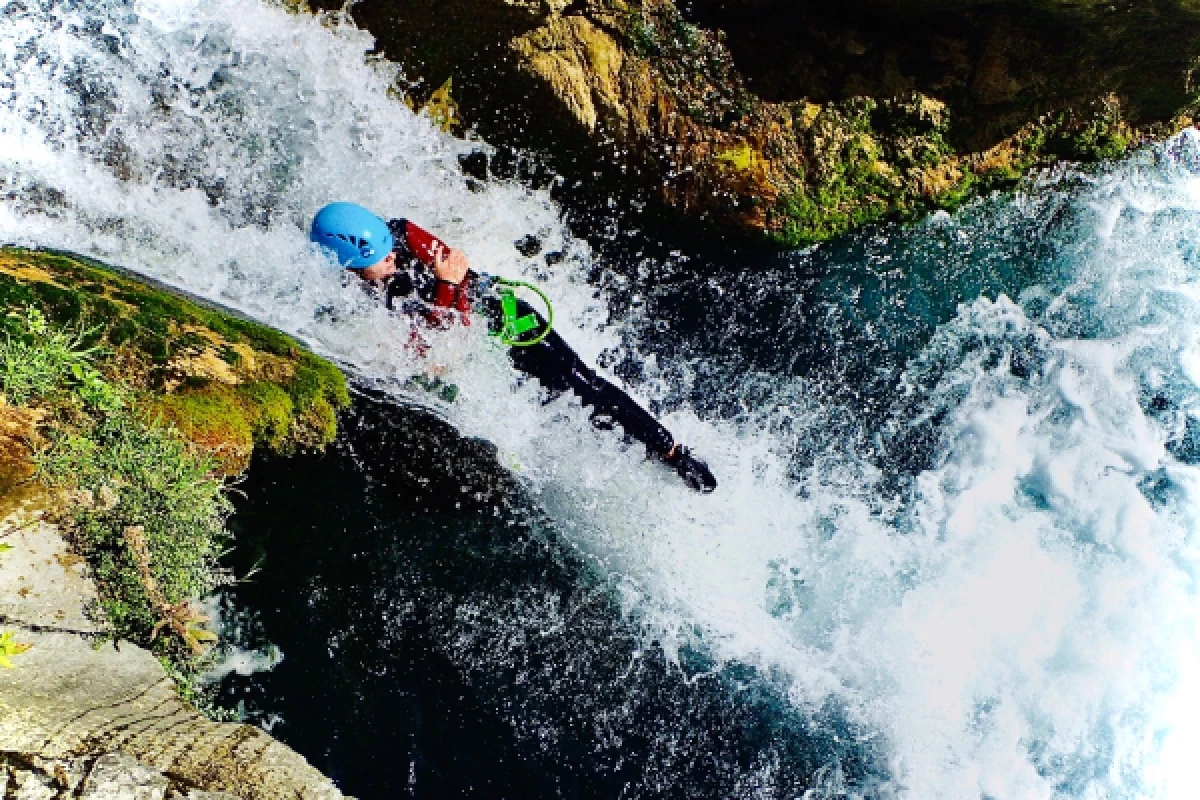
[952, 555]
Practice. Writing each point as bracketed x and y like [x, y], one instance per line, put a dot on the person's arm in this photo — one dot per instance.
[449, 265]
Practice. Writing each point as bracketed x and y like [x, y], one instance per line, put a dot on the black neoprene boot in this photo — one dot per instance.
[695, 473]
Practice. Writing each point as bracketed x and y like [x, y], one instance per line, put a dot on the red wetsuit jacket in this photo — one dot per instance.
[414, 281]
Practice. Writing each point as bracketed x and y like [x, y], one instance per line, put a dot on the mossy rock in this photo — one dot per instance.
[229, 384]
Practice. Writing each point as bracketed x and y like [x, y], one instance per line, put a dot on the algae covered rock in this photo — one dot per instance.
[226, 382]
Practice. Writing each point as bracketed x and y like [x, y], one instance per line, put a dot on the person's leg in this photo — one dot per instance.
[557, 367]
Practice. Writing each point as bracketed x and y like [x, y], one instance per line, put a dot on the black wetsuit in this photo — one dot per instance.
[558, 368]
[551, 361]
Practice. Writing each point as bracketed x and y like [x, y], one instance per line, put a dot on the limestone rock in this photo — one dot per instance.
[66, 698]
[29, 785]
[116, 776]
[41, 582]
[710, 107]
[67, 774]
[581, 64]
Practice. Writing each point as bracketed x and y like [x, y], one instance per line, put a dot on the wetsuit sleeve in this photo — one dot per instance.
[420, 244]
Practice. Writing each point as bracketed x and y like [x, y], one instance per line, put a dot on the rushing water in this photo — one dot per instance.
[952, 554]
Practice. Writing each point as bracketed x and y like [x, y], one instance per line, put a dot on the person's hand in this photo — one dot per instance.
[449, 264]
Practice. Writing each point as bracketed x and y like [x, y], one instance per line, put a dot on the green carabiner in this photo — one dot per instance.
[515, 326]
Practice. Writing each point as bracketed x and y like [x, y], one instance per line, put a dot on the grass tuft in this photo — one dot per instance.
[132, 473]
[37, 359]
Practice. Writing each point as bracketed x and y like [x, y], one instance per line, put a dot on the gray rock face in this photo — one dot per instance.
[116, 776]
[29, 785]
[68, 700]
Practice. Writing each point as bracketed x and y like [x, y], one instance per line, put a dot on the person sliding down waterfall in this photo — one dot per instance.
[419, 274]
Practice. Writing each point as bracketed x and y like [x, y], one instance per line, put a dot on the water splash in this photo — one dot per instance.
[1015, 618]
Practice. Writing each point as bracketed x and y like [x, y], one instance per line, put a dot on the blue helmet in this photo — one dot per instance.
[358, 238]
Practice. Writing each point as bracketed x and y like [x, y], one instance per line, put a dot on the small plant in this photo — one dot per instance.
[158, 546]
[188, 624]
[39, 359]
[94, 390]
[10, 648]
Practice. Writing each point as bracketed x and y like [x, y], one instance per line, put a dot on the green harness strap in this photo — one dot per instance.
[514, 327]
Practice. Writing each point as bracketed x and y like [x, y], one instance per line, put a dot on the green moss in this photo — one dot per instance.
[214, 417]
[315, 379]
[152, 328]
[740, 157]
[153, 310]
[231, 420]
[852, 191]
[271, 414]
[869, 161]
[957, 195]
[320, 426]
[229, 355]
[1096, 140]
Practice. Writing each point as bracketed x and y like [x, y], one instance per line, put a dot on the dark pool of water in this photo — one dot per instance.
[441, 642]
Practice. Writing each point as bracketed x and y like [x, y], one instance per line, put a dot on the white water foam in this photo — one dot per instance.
[1024, 626]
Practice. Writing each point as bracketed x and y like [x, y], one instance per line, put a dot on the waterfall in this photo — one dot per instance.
[990, 573]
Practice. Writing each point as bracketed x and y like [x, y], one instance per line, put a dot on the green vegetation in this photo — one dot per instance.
[642, 35]
[147, 402]
[893, 160]
[854, 181]
[149, 516]
[220, 379]
[36, 364]
[147, 506]
[1098, 134]
[71, 289]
